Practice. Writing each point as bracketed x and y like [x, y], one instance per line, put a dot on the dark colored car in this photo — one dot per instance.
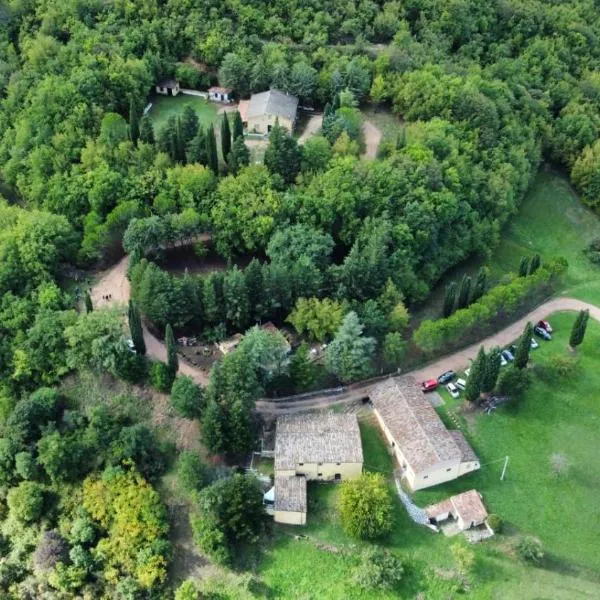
[508, 355]
[446, 377]
[513, 349]
[541, 332]
[429, 385]
[545, 326]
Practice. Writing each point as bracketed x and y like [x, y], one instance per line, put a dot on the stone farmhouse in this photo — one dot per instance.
[168, 87]
[427, 452]
[260, 113]
[325, 447]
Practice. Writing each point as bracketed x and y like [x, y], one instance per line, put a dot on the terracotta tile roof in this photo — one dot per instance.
[314, 438]
[243, 109]
[467, 506]
[290, 494]
[413, 423]
[445, 507]
[467, 452]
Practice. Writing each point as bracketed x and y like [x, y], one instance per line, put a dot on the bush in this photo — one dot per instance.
[513, 382]
[26, 501]
[559, 368]
[530, 549]
[192, 474]
[593, 251]
[161, 377]
[186, 397]
[378, 569]
[495, 523]
[132, 367]
[51, 549]
[366, 506]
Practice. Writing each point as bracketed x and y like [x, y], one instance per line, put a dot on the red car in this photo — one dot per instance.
[429, 385]
[545, 325]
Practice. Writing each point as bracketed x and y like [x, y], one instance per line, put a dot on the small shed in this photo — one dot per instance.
[220, 94]
[466, 508]
[230, 344]
[290, 500]
[168, 87]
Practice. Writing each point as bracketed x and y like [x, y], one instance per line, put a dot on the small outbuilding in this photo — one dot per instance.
[220, 94]
[290, 500]
[263, 110]
[467, 509]
[168, 87]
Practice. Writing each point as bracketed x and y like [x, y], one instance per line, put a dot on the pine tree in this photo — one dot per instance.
[214, 425]
[480, 284]
[135, 114]
[167, 138]
[238, 126]
[523, 347]
[212, 308]
[189, 124]
[239, 156]
[180, 143]
[196, 149]
[172, 360]
[464, 294]
[491, 371]
[449, 299]
[302, 369]
[579, 327]
[476, 375]
[225, 137]
[282, 156]
[146, 131]
[212, 158]
[254, 284]
[136, 330]
[524, 267]
[89, 307]
[536, 262]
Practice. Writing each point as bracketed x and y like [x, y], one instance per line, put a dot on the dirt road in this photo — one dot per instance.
[311, 128]
[114, 283]
[372, 139]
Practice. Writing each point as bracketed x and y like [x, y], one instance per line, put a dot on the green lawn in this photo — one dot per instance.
[565, 514]
[552, 222]
[164, 107]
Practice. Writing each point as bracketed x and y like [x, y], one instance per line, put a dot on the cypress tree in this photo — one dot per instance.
[225, 137]
[464, 294]
[238, 126]
[172, 360]
[401, 139]
[180, 142]
[480, 284]
[135, 115]
[449, 299]
[135, 328]
[189, 124]
[536, 261]
[524, 267]
[523, 347]
[579, 327]
[89, 307]
[491, 371]
[212, 158]
[239, 156]
[196, 149]
[146, 131]
[476, 376]
[282, 156]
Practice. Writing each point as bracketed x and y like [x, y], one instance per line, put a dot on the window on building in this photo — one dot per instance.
[319, 474]
[338, 464]
[300, 464]
[319, 464]
[425, 476]
[450, 469]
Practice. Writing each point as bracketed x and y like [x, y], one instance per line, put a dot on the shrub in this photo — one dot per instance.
[558, 368]
[52, 548]
[161, 377]
[513, 382]
[366, 506]
[530, 549]
[26, 501]
[192, 474]
[378, 569]
[495, 523]
[186, 397]
[593, 251]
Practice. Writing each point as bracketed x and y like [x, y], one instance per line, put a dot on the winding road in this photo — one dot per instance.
[114, 283]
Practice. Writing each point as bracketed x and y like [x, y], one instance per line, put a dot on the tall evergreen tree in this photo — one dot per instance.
[524, 347]
[172, 360]
[254, 284]
[239, 156]
[401, 139]
[524, 267]
[464, 294]
[212, 158]
[180, 143]
[449, 299]
[476, 375]
[225, 137]
[238, 126]
[480, 284]
[196, 148]
[146, 131]
[283, 156]
[135, 114]
[235, 291]
[167, 138]
[87, 299]
[579, 328]
[536, 262]
[189, 124]
[491, 371]
[136, 330]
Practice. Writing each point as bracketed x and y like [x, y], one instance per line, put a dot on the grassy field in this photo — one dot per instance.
[164, 107]
[552, 222]
[561, 417]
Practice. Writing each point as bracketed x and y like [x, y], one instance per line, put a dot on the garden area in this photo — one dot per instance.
[164, 107]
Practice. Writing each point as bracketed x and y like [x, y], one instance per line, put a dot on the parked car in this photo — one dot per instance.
[534, 344]
[508, 355]
[461, 384]
[131, 345]
[453, 390]
[446, 377]
[541, 332]
[467, 371]
[503, 361]
[545, 325]
[513, 349]
[429, 385]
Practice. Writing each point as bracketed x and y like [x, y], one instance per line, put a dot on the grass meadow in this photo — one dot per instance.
[164, 107]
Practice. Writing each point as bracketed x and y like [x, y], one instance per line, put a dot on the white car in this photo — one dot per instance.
[467, 371]
[453, 390]
[503, 361]
[534, 344]
[131, 345]
[461, 384]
